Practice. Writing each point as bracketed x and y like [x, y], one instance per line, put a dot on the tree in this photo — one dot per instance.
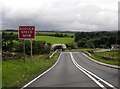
[98, 39]
[8, 41]
[81, 44]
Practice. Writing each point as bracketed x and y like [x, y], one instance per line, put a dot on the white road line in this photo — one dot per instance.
[42, 73]
[88, 73]
[75, 63]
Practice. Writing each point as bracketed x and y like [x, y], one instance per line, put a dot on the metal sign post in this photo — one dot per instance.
[26, 32]
[31, 48]
[24, 47]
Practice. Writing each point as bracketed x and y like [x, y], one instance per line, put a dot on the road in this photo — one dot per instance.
[73, 70]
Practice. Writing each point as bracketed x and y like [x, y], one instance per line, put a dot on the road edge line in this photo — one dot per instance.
[42, 73]
[101, 63]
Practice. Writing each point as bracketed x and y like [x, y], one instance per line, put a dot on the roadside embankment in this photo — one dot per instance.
[16, 73]
[109, 61]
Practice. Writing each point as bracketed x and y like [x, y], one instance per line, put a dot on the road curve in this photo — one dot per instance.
[66, 74]
[110, 75]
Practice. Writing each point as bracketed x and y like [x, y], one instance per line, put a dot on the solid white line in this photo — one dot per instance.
[75, 63]
[42, 73]
[97, 77]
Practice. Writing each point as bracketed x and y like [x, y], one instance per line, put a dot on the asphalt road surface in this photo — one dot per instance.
[75, 70]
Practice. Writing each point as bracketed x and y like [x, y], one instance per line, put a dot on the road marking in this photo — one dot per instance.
[75, 63]
[88, 73]
[42, 73]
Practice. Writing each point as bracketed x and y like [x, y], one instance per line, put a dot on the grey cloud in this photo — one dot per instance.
[62, 15]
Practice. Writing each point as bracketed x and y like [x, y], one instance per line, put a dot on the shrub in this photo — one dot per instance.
[38, 47]
[71, 45]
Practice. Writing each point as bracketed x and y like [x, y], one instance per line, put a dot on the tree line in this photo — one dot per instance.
[97, 39]
[54, 34]
[11, 43]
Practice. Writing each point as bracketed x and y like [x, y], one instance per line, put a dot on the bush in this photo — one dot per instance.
[38, 47]
[71, 45]
[7, 41]
[18, 47]
[81, 44]
[46, 49]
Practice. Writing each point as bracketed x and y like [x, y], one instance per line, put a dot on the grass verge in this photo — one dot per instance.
[16, 73]
[113, 54]
[79, 49]
[112, 62]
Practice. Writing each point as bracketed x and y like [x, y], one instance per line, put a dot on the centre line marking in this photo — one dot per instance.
[88, 73]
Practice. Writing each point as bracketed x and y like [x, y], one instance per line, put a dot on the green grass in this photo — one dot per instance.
[68, 33]
[112, 54]
[87, 49]
[54, 40]
[17, 72]
[80, 49]
[112, 62]
[12, 32]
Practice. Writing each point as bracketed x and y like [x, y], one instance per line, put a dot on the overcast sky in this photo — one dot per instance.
[60, 15]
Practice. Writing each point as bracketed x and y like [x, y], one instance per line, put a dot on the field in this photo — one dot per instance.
[17, 72]
[54, 40]
[47, 32]
[68, 33]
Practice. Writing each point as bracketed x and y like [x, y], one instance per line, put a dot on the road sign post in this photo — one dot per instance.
[26, 32]
[24, 46]
[31, 49]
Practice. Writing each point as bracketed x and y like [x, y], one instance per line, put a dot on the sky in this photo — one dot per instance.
[60, 15]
